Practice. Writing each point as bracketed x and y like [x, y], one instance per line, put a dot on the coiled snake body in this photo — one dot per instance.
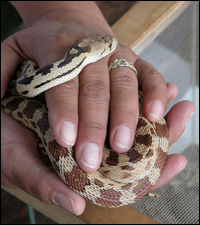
[121, 178]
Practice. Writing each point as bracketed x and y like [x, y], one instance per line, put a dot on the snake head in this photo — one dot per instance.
[99, 46]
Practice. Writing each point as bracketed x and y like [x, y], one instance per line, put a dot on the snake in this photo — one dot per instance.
[121, 179]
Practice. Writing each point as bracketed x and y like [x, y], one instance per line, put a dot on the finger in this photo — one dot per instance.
[62, 103]
[174, 164]
[22, 166]
[177, 118]
[12, 57]
[93, 114]
[154, 88]
[124, 108]
[172, 91]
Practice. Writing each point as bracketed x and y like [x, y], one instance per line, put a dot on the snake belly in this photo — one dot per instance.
[122, 178]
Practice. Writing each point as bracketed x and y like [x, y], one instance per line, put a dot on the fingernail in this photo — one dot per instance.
[156, 109]
[184, 164]
[90, 155]
[189, 117]
[68, 132]
[172, 98]
[65, 202]
[122, 137]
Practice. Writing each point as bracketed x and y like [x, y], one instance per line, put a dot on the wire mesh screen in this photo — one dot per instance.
[175, 54]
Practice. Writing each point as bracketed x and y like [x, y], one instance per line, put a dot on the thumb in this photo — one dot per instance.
[22, 168]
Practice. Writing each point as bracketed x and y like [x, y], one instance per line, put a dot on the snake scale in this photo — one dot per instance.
[122, 178]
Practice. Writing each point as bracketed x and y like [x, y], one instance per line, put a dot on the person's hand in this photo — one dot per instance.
[78, 109]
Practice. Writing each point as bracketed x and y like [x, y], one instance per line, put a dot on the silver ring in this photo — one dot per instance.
[122, 62]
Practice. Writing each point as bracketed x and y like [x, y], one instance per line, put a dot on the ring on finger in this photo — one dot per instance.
[122, 63]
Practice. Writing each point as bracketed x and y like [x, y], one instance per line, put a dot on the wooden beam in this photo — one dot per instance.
[143, 22]
[93, 214]
[123, 215]
[54, 212]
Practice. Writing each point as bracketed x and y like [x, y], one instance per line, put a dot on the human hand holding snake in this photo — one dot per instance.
[93, 103]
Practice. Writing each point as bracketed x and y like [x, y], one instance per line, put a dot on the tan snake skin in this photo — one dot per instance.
[122, 178]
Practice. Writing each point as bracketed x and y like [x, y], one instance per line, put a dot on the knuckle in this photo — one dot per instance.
[63, 100]
[123, 51]
[62, 111]
[125, 80]
[97, 126]
[161, 87]
[59, 103]
[95, 117]
[40, 190]
[128, 112]
[161, 91]
[70, 85]
[154, 73]
[97, 89]
[158, 81]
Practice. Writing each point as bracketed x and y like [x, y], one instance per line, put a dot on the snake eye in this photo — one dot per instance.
[110, 45]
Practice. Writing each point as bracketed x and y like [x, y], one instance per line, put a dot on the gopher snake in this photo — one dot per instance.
[121, 178]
